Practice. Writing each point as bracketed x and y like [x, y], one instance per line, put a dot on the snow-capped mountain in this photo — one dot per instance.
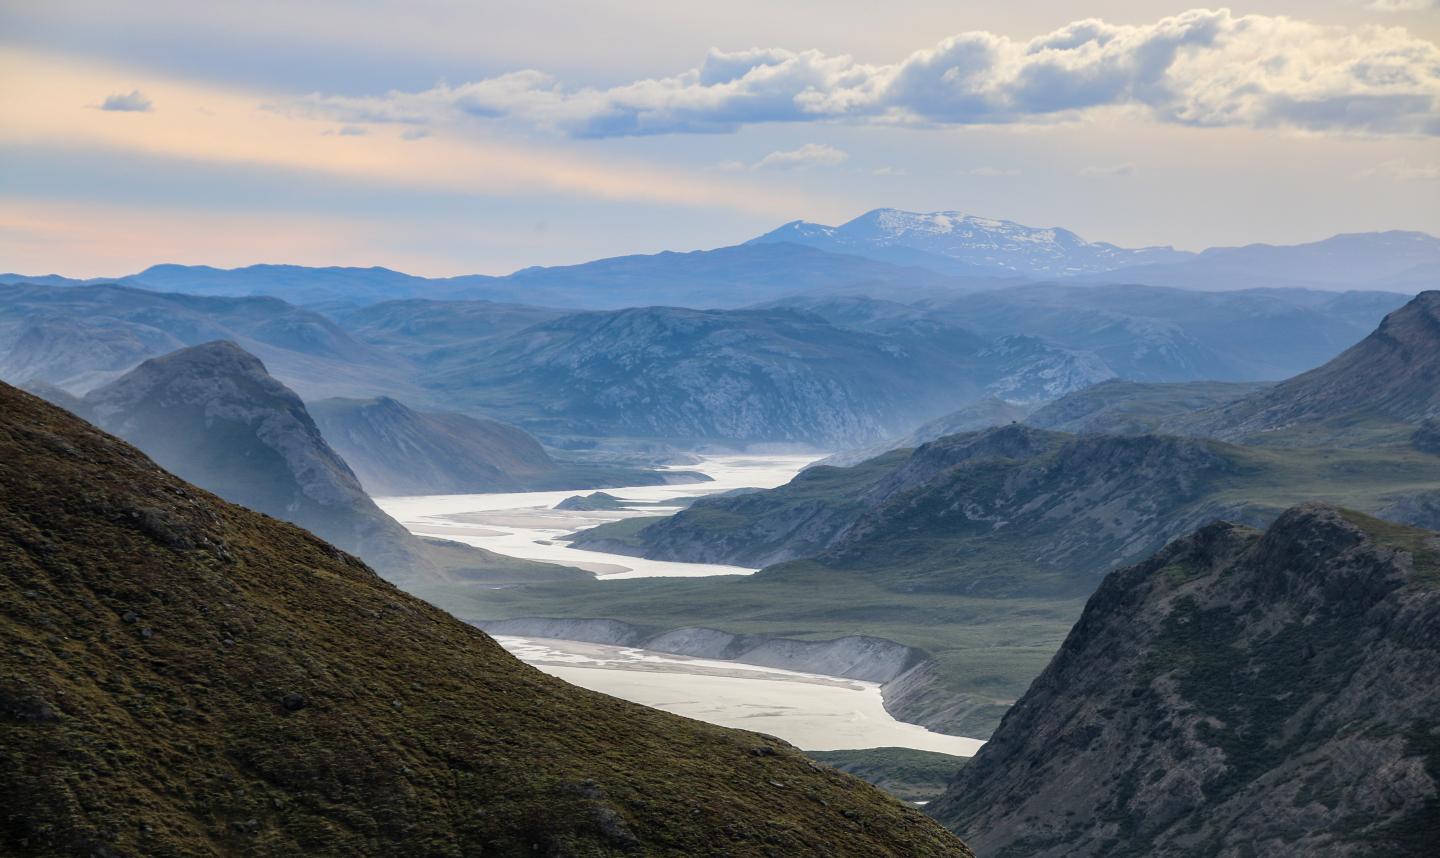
[965, 244]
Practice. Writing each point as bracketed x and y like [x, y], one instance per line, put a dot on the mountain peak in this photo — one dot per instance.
[955, 242]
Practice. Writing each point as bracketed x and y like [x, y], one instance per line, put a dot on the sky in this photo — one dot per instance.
[443, 137]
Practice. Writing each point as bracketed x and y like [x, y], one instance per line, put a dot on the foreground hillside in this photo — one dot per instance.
[179, 675]
[1238, 694]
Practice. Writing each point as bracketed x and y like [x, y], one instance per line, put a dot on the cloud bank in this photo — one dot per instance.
[131, 102]
[1201, 68]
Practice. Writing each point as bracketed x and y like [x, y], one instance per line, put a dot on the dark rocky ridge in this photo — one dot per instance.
[182, 676]
[1237, 694]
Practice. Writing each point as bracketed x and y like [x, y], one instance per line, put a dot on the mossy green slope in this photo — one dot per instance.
[182, 676]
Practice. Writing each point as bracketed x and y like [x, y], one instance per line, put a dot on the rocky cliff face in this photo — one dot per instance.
[1238, 694]
[213, 415]
[183, 676]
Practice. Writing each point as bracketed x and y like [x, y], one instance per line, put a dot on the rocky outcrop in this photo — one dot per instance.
[183, 676]
[1237, 694]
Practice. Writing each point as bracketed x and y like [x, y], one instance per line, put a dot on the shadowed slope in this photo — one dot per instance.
[179, 675]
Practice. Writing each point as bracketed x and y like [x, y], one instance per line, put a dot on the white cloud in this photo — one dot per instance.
[1202, 67]
[1402, 170]
[131, 102]
[1402, 5]
[1111, 170]
[891, 171]
[807, 156]
[990, 172]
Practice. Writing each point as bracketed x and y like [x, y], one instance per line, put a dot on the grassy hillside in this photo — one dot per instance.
[182, 676]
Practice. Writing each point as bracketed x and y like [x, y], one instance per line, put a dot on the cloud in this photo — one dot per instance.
[415, 134]
[1100, 172]
[891, 171]
[1402, 5]
[989, 172]
[807, 156]
[1402, 170]
[348, 131]
[1201, 68]
[133, 102]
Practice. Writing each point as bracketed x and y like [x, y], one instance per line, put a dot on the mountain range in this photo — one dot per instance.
[183, 676]
[886, 249]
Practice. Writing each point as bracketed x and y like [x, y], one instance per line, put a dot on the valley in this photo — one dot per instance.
[805, 706]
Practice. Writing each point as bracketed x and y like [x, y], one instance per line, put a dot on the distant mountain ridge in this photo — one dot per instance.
[959, 243]
[1390, 377]
[886, 250]
[726, 277]
[1396, 260]
[82, 336]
